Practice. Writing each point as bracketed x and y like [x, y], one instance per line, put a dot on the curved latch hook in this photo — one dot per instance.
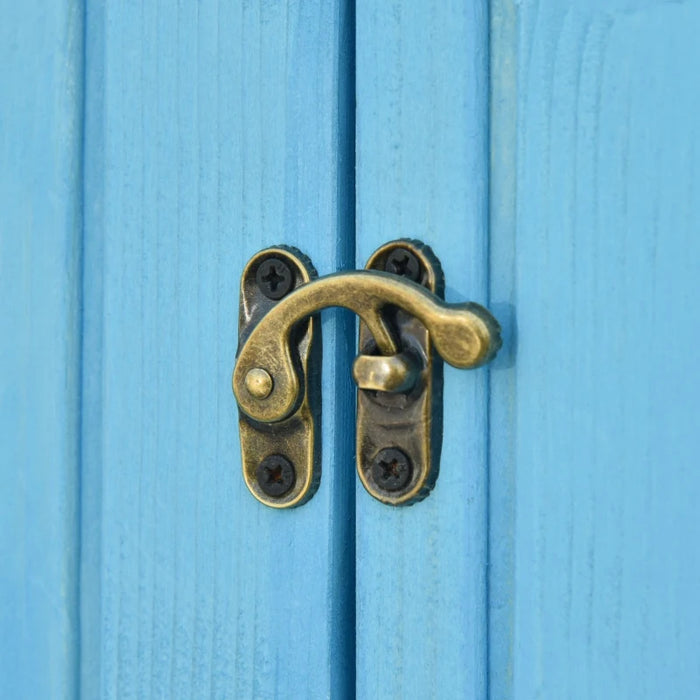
[274, 368]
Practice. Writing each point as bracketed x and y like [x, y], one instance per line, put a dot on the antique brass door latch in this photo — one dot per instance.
[405, 329]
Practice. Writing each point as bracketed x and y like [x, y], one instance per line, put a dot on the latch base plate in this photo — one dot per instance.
[282, 460]
[398, 434]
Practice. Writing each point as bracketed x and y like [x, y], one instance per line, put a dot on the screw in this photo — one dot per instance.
[275, 475]
[274, 278]
[391, 469]
[402, 261]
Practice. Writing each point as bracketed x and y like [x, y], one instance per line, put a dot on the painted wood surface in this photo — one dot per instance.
[422, 159]
[212, 130]
[556, 557]
[40, 227]
[594, 482]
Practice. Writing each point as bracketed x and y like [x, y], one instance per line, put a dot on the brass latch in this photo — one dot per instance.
[276, 379]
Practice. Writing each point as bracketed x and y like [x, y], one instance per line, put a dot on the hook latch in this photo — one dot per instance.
[405, 328]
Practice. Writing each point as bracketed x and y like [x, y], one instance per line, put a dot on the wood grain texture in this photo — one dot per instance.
[422, 147]
[213, 129]
[595, 441]
[40, 236]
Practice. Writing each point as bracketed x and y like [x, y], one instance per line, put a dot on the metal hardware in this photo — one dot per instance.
[275, 278]
[276, 377]
[381, 373]
[281, 460]
[401, 261]
[391, 469]
[275, 475]
[404, 425]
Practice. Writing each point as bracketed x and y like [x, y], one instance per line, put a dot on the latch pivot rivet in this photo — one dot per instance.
[258, 383]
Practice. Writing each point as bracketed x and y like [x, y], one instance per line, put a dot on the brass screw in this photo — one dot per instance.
[258, 382]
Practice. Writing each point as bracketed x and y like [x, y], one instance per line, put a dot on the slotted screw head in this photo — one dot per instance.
[274, 278]
[275, 475]
[403, 262]
[391, 469]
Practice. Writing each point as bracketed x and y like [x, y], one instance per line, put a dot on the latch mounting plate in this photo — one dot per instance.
[398, 434]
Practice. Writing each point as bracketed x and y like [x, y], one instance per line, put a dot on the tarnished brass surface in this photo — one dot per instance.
[398, 372]
[464, 334]
[411, 421]
[297, 436]
[385, 372]
[258, 383]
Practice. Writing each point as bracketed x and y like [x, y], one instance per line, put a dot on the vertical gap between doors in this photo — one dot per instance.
[343, 665]
[91, 329]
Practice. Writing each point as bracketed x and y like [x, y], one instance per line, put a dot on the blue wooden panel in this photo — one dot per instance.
[595, 441]
[422, 159]
[212, 130]
[40, 243]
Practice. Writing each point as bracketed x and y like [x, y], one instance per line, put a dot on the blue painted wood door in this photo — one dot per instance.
[547, 151]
